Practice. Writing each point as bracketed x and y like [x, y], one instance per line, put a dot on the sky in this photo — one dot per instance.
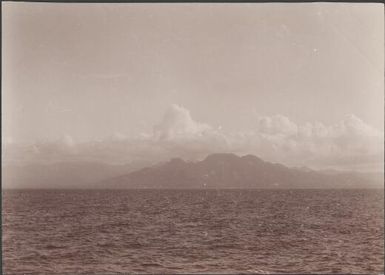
[298, 83]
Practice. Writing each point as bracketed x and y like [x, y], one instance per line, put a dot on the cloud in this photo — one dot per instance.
[177, 123]
[277, 138]
[181, 136]
[347, 143]
[117, 136]
[276, 125]
[68, 141]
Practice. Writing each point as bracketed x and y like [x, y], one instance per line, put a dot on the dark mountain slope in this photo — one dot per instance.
[232, 171]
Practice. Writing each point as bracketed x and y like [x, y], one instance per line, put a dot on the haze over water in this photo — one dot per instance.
[185, 231]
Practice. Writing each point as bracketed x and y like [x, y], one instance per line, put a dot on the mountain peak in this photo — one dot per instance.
[225, 170]
[221, 156]
[250, 157]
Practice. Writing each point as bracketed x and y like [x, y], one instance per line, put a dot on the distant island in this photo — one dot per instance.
[229, 171]
[216, 171]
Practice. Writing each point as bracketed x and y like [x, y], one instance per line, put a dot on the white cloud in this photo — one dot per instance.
[276, 125]
[181, 136]
[278, 139]
[177, 123]
[68, 141]
[117, 136]
[275, 138]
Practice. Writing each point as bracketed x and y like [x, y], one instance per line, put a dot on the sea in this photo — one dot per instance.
[192, 231]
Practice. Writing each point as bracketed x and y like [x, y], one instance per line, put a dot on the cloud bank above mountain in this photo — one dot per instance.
[178, 123]
[348, 144]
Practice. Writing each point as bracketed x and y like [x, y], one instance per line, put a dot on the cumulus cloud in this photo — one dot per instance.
[349, 142]
[181, 136]
[276, 125]
[68, 141]
[277, 138]
[118, 136]
[178, 123]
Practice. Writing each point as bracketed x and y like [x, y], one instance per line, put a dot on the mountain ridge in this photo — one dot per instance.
[230, 171]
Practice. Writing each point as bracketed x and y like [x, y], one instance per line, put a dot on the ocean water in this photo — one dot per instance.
[186, 231]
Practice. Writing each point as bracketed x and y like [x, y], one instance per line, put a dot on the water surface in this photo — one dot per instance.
[194, 231]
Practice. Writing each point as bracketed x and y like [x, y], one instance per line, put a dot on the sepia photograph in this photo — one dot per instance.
[192, 138]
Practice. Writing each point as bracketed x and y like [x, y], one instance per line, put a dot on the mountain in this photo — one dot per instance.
[232, 171]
